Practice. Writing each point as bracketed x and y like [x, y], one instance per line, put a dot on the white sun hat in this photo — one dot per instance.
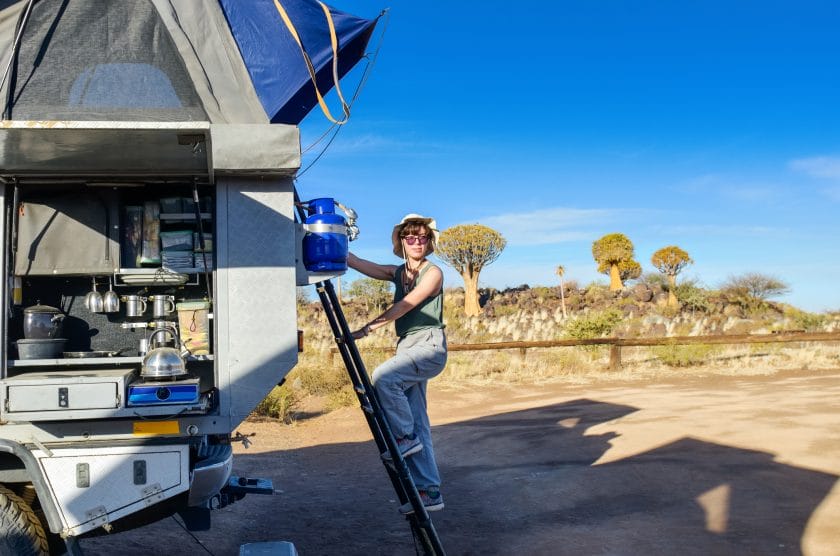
[412, 218]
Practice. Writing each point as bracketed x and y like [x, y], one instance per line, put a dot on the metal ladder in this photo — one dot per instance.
[421, 524]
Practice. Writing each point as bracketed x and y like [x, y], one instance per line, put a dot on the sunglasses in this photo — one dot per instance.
[411, 240]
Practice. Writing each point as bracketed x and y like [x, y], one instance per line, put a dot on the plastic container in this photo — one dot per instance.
[206, 204]
[194, 326]
[188, 205]
[171, 205]
[177, 259]
[325, 245]
[151, 233]
[203, 260]
[177, 240]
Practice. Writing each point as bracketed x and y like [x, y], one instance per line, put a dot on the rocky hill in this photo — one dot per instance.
[536, 313]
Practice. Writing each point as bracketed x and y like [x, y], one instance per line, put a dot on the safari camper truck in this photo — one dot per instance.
[150, 255]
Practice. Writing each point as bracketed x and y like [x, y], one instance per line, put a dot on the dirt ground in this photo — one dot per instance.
[696, 466]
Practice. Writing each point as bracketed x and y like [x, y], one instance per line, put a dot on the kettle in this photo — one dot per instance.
[163, 362]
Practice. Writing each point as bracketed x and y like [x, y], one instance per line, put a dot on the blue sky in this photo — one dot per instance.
[711, 125]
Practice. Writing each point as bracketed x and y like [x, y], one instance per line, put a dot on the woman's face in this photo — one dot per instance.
[416, 239]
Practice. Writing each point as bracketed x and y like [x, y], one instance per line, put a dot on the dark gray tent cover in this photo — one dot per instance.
[125, 60]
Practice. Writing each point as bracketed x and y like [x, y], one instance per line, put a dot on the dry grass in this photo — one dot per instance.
[321, 374]
[581, 366]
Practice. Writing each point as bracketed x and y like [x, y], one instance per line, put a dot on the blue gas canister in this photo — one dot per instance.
[325, 245]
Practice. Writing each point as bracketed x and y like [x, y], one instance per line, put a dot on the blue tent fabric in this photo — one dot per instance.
[273, 58]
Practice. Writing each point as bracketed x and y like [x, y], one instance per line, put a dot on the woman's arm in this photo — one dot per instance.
[430, 285]
[371, 269]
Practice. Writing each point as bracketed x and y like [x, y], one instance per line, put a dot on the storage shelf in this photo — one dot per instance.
[159, 275]
[183, 216]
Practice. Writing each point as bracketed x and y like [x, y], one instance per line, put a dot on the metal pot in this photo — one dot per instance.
[42, 322]
[48, 348]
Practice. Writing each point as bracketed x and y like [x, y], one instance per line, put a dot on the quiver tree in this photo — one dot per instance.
[614, 255]
[670, 261]
[629, 270]
[560, 271]
[468, 248]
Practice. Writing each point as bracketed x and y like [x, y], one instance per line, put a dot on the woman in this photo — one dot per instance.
[417, 313]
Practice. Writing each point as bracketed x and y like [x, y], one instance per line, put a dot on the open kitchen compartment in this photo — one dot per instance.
[103, 248]
[189, 226]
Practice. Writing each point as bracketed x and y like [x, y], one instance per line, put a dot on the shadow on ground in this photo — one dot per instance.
[521, 483]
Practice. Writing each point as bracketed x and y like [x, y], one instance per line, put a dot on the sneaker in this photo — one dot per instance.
[432, 500]
[407, 446]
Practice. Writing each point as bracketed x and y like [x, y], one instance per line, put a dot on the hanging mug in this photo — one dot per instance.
[162, 305]
[135, 305]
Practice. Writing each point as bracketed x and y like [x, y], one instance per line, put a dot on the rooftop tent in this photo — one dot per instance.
[163, 60]
[274, 59]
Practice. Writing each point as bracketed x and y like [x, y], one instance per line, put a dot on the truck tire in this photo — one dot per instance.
[21, 533]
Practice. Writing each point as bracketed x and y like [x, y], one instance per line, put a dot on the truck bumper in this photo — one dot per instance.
[210, 474]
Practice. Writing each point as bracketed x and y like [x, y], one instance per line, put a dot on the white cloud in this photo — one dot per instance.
[833, 193]
[751, 193]
[356, 144]
[553, 225]
[705, 230]
[731, 187]
[700, 184]
[818, 166]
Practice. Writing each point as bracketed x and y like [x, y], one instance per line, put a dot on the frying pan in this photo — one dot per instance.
[94, 353]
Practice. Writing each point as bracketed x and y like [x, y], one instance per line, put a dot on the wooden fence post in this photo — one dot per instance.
[615, 357]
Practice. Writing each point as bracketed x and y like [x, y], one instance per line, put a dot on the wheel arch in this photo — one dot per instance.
[18, 465]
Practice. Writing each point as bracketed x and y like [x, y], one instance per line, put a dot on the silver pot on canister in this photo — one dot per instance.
[162, 362]
[42, 322]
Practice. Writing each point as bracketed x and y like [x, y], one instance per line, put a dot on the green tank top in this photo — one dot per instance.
[429, 314]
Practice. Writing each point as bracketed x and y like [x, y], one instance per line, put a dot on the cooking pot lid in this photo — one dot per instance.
[41, 341]
[42, 309]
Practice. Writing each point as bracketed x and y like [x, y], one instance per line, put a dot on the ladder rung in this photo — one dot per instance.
[367, 408]
[360, 390]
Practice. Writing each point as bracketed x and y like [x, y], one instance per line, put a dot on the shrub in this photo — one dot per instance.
[318, 377]
[692, 297]
[596, 293]
[504, 310]
[343, 397]
[280, 404]
[543, 293]
[593, 325]
[810, 322]
[654, 280]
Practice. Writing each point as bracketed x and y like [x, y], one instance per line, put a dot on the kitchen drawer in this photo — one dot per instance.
[56, 395]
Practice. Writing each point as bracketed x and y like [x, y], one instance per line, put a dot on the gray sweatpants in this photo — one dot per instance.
[400, 384]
